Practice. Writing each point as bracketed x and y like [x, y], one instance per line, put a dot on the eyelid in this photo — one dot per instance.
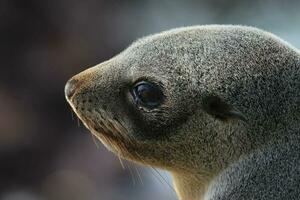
[151, 80]
[147, 79]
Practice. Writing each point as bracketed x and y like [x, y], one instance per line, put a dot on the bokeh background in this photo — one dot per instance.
[45, 154]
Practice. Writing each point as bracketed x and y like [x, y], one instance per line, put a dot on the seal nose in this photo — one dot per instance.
[71, 87]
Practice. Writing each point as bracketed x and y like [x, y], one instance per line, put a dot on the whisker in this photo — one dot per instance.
[121, 162]
[139, 175]
[132, 175]
[123, 131]
[170, 186]
[119, 130]
[158, 176]
[95, 140]
[110, 142]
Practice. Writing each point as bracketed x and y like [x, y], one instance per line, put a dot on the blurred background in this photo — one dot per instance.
[45, 154]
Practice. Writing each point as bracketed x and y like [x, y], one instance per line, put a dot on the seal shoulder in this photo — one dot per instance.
[269, 173]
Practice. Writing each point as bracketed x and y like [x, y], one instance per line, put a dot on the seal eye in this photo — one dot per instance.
[147, 94]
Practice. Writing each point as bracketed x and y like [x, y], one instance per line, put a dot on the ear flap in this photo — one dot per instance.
[218, 108]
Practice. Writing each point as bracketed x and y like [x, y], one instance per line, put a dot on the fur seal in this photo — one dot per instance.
[197, 101]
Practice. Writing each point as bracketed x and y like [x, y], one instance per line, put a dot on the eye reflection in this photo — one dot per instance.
[147, 94]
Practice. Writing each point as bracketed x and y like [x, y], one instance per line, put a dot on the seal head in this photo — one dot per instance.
[190, 98]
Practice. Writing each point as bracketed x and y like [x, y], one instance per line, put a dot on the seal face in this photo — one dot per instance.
[190, 98]
[130, 115]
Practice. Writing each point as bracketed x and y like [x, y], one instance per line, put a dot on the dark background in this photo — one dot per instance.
[44, 154]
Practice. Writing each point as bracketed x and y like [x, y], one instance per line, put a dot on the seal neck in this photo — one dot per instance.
[190, 186]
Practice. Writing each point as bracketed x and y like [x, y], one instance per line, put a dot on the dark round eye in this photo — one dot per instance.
[147, 94]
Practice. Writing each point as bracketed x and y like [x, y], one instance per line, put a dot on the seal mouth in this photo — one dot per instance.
[109, 131]
[103, 128]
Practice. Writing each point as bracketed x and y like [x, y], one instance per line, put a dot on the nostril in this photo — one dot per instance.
[71, 87]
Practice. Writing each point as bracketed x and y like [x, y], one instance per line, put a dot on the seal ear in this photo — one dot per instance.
[218, 108]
